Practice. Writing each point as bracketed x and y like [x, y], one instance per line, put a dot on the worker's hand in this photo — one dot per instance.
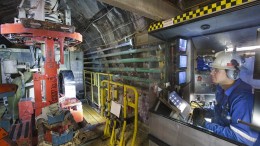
[198, 117]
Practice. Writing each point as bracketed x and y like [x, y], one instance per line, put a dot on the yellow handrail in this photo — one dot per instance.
[127, 102]
[95, 82]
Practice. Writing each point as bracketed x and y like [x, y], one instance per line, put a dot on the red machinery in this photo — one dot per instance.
[34, 32]
[38, 36]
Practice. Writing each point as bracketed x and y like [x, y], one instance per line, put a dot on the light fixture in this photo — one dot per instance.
[205, 26]
[248, 48]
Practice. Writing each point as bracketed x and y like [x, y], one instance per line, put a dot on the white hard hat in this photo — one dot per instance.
[230, 61]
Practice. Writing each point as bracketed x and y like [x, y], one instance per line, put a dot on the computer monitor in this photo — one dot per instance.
[182, 61]
[181, 77]
[182, 45]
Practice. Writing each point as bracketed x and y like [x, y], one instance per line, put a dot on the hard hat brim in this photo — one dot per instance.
[222, 67]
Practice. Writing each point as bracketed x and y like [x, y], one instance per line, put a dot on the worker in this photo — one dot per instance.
[234, 101]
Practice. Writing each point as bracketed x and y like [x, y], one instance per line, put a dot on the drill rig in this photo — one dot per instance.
[40, 24]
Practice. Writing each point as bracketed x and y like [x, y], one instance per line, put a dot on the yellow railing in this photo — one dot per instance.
[95, 80]
[112, 88]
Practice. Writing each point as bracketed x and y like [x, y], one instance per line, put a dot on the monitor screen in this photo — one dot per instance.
[177, 101]
[182, 45]
[182, 60]
[181, 77]
[180, 103]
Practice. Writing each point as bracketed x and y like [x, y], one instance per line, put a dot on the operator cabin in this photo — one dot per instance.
[107, 72]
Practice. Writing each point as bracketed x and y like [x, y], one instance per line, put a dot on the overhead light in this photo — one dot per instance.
[249, 48]
[205, 26]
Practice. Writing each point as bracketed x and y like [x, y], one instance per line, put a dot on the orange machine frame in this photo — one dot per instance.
[49, 38]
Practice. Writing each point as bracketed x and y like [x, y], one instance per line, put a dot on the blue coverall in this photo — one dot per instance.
[233, 104]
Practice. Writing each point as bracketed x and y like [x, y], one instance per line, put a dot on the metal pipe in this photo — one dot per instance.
[130, 78]
[109, 48]
[102, 108]
[124, 115]
[137, 79]
[98, 85]
[130, 51]
[61, 41]
[84, 79]
[92, 90]
[113, 138]
[128, 60]
[32, 54]
[145, 70]
[116, 94]
[135, 106]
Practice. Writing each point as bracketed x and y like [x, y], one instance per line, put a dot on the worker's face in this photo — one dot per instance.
[218, 76]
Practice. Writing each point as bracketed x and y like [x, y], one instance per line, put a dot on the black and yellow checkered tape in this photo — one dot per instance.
[215, 7]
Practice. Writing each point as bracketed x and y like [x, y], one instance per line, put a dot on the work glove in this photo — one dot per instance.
[198, 117]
